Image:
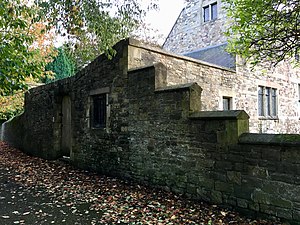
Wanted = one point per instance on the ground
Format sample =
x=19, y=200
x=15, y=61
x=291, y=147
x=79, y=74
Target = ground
x=36, y=191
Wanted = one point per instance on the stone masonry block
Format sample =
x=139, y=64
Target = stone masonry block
x=216, y=197
x=234, y=177
x=224, y=187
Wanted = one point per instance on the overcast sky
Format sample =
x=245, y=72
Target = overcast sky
x=164, y=19
x=161, y=20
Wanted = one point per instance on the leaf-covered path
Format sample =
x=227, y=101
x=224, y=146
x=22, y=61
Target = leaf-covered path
x=36, y=191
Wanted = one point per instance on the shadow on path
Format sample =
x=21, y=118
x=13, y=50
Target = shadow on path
x=21, y=205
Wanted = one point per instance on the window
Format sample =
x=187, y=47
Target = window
x=206, y=14
x=214, y=11
x=227, y=103
x=299, y=93
x=210, y=12
x=267, y=101
x=299, y=99
x=99, y=110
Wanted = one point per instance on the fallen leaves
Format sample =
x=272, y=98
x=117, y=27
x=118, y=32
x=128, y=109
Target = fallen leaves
x=115, y=201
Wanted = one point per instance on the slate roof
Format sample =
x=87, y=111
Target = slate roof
x=214, y=54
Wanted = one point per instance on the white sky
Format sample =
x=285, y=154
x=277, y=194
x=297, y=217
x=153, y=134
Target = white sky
x=164, y=19
x=161, y=20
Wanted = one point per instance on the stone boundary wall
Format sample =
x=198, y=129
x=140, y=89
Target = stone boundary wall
x=263, y=175
x=209, y=155
x=13, y=131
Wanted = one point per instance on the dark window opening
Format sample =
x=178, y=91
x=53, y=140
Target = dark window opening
x=214, y=11
x=99, y=111
x=298, y=92
x=227, y=103
x=206, y=14
x=210, y=12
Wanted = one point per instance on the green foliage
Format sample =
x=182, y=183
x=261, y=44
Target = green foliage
x=61, y=67
x=11, y=105
x=16, y=58
x=91, y=27
x=264, y=29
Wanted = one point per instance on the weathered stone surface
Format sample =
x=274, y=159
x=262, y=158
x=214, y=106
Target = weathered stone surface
x=155, y=135
x=234, y=177
x=191, y=34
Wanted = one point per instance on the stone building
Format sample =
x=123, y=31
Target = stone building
x=146, y=115
x=271, y=96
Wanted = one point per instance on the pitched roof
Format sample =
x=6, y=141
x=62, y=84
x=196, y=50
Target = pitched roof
x=216, y=54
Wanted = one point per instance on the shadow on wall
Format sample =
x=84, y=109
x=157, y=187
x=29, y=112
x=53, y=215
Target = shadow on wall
x=12, y=132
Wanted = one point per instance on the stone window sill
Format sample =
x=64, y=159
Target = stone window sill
x=268, y=118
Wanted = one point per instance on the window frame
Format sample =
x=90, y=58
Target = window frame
x=99, y=111
x=299, y=93
x=228, y=103
x=267, y=100
x=104, y=94
x=298, y=100
x=213, y=16
x=208, y=12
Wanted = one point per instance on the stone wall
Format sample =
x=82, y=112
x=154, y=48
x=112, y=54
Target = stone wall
x=203, y=155
x=190, y=33
x=163, y=129
x=42, y=119
x=241, y=85
x=262, y=175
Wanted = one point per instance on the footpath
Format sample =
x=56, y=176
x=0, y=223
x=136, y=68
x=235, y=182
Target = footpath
x=37, y=191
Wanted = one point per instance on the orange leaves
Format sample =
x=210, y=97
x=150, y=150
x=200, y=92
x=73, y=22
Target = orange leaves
x=11, y=105
x=113, y=201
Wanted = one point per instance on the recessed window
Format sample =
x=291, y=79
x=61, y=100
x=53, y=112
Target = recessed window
x=214, y=11
x=299, y=93
x=298, y=99
x=267, y=101
x=206, y=16
x=210, y=12
x=227, y=103
x=99, y=110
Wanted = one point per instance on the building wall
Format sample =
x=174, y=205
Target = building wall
x=286, y=79
x=241, y=85
x=190, y=33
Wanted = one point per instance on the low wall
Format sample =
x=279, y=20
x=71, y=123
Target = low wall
x=263, y=175
x=13, y=131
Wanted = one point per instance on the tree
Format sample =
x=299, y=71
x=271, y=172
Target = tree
x=264, y=29
x=17, y=53
x=61, y=67
x=91, y=27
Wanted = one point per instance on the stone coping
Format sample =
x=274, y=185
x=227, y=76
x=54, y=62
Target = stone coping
x=270, y=139
x=220, y=115
x=158, y=49
x=176, y=87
